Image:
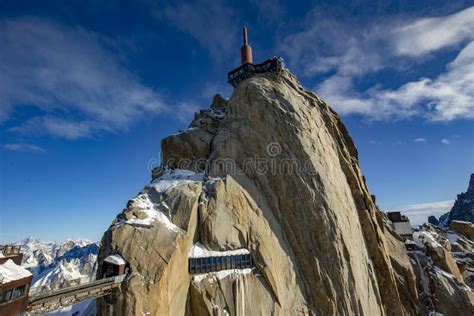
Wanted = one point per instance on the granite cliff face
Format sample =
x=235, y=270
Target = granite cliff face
x=272, y=170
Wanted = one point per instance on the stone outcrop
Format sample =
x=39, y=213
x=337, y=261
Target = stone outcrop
x=463, y=228
x=272, y=170
x=443, y=264
x=449, y=296
x=438, y=248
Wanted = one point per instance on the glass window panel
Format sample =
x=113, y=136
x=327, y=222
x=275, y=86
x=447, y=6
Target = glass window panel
x=8, y=296
x=14, y=295
x=22, y=290
x=208, y=264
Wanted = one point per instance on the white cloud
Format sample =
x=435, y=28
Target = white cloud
x=56, y=126
x=360, y=52
x=420, y=140
x=399, y=143
x=374, y=142
x=72, y=76
x=24, y=147
x=426, y=35
x=445, y=141
x=419, y=213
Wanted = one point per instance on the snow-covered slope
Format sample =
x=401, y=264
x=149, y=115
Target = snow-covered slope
x=58, y=264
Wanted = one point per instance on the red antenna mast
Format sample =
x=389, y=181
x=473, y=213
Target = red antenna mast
x=246, y=50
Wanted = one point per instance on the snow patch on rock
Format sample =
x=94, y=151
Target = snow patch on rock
x=198, y=250
x=174, y=178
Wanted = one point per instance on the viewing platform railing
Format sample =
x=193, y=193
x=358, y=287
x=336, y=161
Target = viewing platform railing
x=246, y=71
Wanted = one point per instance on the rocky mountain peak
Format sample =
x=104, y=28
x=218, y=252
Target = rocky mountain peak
x=273, y=172
x=470, y=189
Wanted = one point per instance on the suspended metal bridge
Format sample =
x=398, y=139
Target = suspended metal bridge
x=46, y=301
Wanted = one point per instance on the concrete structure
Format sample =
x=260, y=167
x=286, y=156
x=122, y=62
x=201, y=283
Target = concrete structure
x=14, y=286
x=401, y=224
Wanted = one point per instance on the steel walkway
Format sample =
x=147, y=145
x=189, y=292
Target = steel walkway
x=48, y=301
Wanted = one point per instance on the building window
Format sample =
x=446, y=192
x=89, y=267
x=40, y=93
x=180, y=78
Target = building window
x=18, y=292
x=5, y=296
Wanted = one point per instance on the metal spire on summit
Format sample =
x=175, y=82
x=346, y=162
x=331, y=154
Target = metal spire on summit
x=246, y=50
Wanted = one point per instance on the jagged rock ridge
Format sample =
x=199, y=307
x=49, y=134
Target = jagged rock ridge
x=272, y=170
x=462, y=210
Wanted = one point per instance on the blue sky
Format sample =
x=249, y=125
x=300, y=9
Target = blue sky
x=89, y=88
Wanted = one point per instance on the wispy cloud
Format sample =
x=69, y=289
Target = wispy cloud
x=185, y=111
x=361, y=51
x=420, y=140
x=374, y=142
x=419, y=213
x=445, y=141
x=209, y=22
x=74, y=77
x=426, y=35
x=56, y=126
x=399, y=143
x=269, y=11
x=24, y=147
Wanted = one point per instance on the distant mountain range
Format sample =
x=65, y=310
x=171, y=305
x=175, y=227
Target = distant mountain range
x=58, y=264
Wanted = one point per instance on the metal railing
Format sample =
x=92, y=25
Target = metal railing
x=243, y=72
